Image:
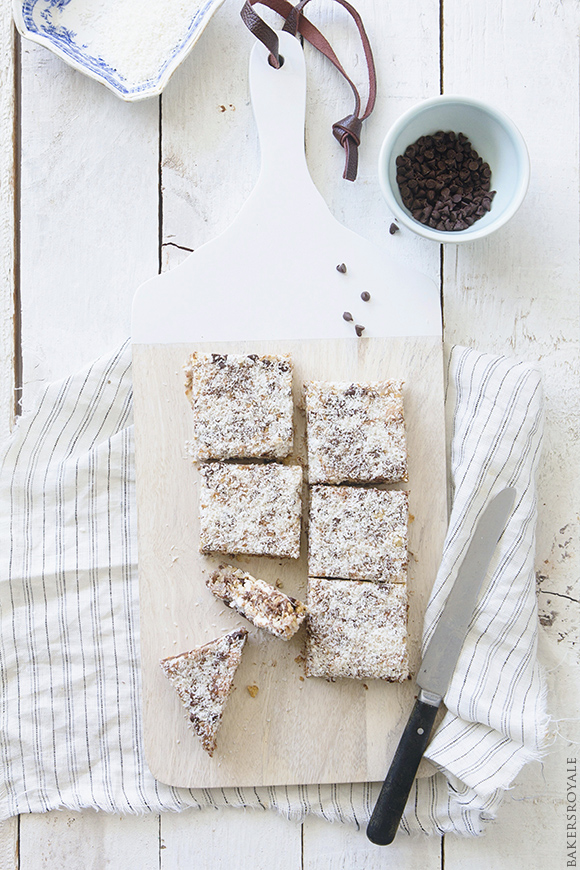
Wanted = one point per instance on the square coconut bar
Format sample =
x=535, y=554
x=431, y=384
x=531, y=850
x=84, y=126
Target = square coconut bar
x=252, y=509
x=356, y=629
x=261, y=603
x=242, y=406
x=356, y=432
x=356, y=533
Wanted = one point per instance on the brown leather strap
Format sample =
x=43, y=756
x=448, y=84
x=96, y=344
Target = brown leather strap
x=347, y=131
x=261, y=31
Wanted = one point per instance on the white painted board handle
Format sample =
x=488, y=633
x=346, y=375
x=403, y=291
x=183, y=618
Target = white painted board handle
x=272, y=273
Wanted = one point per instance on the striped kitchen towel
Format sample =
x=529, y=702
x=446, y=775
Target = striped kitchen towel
x=70, y=709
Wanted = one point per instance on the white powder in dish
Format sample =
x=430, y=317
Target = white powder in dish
x=135, y=38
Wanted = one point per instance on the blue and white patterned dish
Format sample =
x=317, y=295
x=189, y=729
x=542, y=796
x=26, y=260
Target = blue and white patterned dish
x=130, y=46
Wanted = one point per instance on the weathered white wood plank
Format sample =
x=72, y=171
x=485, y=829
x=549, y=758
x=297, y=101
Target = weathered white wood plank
x=517, y=293
x=229, y=838
x=210, y=163
x=88, y=841
x=8, y=190
x=211, y=190
x=8, y=268
x=89, y=237
x=342, y=847
x=9, y=844
x=89, y=204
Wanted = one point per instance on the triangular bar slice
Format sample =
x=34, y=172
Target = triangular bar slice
x=203, y=679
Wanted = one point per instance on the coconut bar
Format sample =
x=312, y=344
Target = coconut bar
x=242, y=406
x=356, y=533
x=356, y=629
x=260, y=602
x=203, y=679
x=250, y=509
x=356, y=432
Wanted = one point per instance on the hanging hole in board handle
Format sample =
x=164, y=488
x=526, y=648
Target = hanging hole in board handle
x=272, y=61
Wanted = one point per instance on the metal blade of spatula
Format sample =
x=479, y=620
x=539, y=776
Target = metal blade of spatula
x=272, y=273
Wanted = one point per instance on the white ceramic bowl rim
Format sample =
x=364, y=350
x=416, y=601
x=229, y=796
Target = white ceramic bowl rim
x=473, y=232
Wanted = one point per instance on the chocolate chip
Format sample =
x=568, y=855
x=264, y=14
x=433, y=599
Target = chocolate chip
x=341, y=268
x=393, y=229
x=347, y=316
x=365, y=296
x=444, y=182
x=359, y=329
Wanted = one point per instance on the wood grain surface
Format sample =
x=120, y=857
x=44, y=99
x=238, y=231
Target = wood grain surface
x=295, y=730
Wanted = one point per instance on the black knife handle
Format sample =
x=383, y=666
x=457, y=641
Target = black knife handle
x=390, y=805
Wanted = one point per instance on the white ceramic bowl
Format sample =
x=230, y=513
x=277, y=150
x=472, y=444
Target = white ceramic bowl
x=492, y=134
x=130, y=46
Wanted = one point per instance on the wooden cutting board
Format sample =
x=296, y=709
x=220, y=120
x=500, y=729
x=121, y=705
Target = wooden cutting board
x=270, y=284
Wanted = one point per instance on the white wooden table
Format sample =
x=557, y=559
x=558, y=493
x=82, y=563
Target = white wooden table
x=98, y=195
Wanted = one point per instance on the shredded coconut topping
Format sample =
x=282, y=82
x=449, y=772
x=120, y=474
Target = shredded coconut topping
x=357, y=533
x=260, y=602
x=251, y=509
x=356, y=629
x=242, y=406
x=356, y=432
x=203, y=679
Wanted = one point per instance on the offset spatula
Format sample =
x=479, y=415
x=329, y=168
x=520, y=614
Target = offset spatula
x=437, y=668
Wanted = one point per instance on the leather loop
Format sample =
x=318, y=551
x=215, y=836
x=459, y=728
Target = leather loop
x=261, y=31
x=347, y=131
x=350, y=126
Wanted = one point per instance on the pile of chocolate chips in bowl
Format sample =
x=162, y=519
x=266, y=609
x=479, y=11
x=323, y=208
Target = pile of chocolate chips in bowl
x=444, y=182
